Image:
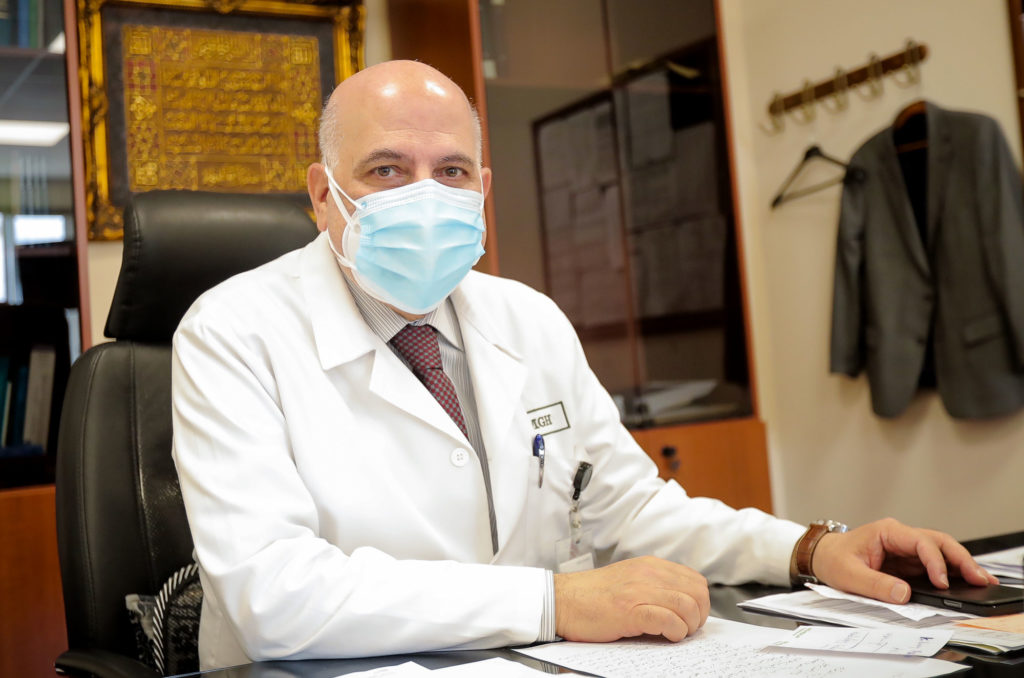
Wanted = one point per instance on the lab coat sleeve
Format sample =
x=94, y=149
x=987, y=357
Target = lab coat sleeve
x=848, y=350
x=1001, y=221
x=286, y=592
x=633, y=512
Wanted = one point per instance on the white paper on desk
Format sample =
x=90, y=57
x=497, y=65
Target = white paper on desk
x=397, y=671
x=1008, y=563
x=726, y=649
x=901, y=642
x=810, y=605
x=914, y=611
x=497, y=667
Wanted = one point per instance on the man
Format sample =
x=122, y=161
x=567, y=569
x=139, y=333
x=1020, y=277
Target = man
x=349, y=497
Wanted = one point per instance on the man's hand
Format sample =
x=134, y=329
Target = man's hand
x=631, y=598
x=865, y=560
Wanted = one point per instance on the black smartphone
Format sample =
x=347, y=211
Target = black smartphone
x=986, y=601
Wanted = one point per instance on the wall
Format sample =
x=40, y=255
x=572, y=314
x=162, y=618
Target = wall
x=830, y=456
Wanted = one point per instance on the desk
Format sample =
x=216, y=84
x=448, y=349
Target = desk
x=723, y=604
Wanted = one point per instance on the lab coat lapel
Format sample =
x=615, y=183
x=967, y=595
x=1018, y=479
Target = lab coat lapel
x=498, y=376
x=395, y=383
x=341, y=336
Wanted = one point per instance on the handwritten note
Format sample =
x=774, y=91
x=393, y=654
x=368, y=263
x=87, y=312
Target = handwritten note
x=726, y=649
x=891, y=641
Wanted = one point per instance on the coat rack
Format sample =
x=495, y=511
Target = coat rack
x=834, y=94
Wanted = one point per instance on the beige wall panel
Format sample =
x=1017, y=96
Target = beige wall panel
x=830, y=455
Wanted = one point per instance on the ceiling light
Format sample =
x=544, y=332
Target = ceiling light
x=31, y=133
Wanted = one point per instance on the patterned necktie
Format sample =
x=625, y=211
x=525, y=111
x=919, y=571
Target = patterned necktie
x=418, y=345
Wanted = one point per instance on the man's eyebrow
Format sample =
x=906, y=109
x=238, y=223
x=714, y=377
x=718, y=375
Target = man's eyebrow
x=455, y=159
x=379, y=155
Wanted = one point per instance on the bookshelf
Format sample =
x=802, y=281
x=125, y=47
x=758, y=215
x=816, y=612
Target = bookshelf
x=40, y=262
x=43, y=310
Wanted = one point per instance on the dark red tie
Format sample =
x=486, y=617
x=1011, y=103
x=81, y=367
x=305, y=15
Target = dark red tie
x=418, y=345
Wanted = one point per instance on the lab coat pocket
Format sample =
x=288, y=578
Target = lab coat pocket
x=547, y=511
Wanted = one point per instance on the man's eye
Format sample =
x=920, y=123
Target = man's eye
x=453, y=172
x=384, y=171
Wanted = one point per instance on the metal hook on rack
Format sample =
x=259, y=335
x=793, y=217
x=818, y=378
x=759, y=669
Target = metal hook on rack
x=840, y=94
x=775, y=116
x=911, y=66
x=875, y=72
x=807, y=110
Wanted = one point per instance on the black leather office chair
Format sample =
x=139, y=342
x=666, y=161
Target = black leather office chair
x=121, y=523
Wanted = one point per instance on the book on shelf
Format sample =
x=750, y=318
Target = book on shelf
x=6, y=413
x=42, y=362
x=74, y=320
x=5, y=395
x=21, y=24
x=25, y=22
x=19, y=391
x=6, y=23
x=51, y=21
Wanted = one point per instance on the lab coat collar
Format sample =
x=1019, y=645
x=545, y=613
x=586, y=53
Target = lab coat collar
x=471, y=309
x=342, y=336
x=339, y=331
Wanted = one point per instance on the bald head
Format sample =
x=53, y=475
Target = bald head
x=390, y=95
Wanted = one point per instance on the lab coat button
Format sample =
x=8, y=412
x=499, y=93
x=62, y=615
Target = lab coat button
x=459, y=457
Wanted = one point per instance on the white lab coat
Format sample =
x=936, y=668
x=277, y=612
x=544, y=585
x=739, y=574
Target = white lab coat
x=338, y=511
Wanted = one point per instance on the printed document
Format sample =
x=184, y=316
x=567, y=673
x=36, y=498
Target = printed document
x=903, y=642
x=813, y=606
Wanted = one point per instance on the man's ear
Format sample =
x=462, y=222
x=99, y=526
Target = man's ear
x=316, y=184
x=485, y=179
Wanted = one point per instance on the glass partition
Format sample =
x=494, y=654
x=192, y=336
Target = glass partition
x=612, y=193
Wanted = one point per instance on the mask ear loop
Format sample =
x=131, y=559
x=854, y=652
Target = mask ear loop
x=335, y=189
x=350, y=220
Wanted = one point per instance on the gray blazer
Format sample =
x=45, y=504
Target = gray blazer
x=969, y=281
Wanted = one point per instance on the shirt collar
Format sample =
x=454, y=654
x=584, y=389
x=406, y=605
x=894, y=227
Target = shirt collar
x=386, y=323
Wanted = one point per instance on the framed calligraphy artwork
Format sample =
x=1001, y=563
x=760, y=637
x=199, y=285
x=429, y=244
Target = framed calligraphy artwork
x=206, y=95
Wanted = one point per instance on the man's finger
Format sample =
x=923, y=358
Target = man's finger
x=931, y=556
x=659, y=621
x=960, y=560
x=878, y=585
x=685, y=606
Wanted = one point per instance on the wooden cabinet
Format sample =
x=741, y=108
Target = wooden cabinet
x=727, y=460
x=32, y=631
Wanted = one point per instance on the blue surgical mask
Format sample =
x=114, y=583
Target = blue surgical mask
x=410, y=246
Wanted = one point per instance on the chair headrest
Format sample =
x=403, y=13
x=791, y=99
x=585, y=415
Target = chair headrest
x=178, y=244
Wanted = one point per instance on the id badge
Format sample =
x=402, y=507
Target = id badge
x=575, y=555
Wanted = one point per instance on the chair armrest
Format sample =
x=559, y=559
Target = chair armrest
x=102, y=664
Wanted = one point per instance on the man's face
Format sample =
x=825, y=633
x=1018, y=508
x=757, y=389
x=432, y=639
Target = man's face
x=398, y=134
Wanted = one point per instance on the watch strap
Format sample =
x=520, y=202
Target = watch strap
x=800, y=570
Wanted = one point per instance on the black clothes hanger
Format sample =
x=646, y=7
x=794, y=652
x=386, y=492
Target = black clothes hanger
x=810, y=154
x=910, y=129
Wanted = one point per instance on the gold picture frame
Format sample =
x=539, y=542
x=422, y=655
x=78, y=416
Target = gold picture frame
x=282, y=27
